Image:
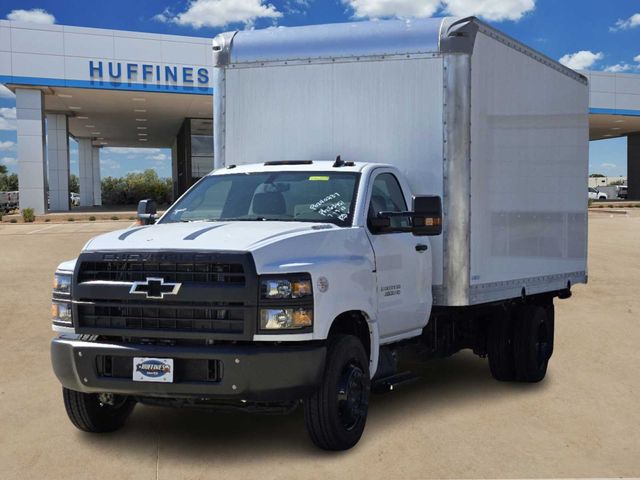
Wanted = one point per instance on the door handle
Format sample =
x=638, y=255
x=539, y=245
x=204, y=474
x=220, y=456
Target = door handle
x=421, y=247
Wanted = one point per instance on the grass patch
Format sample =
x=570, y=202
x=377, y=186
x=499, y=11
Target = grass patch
x=115, y=218
x=47, y=220
x=71, y=219
x=92, y=218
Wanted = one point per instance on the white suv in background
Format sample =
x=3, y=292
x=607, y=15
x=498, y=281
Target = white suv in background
x=595, y=194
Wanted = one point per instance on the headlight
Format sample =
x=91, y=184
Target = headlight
x=61, y=313
x=62, y=283
x=61, y=305
x=282, y=288
x=285, y=318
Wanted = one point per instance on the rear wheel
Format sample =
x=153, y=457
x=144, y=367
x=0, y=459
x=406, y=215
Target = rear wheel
x=97, y=413
x=335, y=415
x=500, y=347
x=533, y=342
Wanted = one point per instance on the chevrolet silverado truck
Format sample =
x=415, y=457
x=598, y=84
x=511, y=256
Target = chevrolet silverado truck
x=376, y=191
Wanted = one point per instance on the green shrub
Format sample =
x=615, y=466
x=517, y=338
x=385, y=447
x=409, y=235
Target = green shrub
x=115, y=218
x=92, y=218
x=27, y=215
x=47, y=220
x=133, y=187
x=13, y=220
x=71, y=219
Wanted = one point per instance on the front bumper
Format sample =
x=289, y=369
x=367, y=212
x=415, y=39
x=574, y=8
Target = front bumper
x=249, y=372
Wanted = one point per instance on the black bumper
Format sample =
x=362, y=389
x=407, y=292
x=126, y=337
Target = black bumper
x=247, y=372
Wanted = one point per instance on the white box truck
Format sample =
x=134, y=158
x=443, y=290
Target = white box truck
x=377, y=189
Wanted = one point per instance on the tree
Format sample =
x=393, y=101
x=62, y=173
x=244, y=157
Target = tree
x=8, y=183
x=596, y=175
x=74, y=183
x=3, y=169
x=134, y=187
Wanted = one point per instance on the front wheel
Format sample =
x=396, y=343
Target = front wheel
x=97, y=413
x=335, y=415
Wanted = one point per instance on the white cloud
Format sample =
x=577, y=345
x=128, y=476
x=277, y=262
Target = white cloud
x=35, y=15
x=608, y=165
x=9, y=161
x=618, y=68
x=625, y=24
x=109, y=164
x=495, y=10
x=160, y=157
x=296, y=7
x=636, y=58
x=8, y=118
x=392, y=8
x=130, y=151
x=581, y=60
x=8, y=145
x=6, y=93
x=218, y=13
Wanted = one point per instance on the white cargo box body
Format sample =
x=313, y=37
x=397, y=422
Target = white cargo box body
x=465, y=112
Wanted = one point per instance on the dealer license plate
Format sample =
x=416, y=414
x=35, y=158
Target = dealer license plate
x=147, y=369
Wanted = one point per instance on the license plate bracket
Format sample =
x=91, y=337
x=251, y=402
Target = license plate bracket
x=148, y=369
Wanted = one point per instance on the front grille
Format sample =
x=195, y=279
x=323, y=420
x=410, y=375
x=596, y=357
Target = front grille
x=123, y=271
x=207, y=318
x=216, y=298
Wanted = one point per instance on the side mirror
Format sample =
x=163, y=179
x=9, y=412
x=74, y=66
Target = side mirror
x=427, y=215
x=147, y=212
x=380, y=224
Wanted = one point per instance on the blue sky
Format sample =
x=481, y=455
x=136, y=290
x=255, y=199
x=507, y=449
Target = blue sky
x=589, y=34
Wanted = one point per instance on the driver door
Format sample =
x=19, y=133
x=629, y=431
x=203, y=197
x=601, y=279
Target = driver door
x=403, y=263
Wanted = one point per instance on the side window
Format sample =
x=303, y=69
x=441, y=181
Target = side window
x=386, y=196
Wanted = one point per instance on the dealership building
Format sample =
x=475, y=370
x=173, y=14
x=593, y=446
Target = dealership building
x=127, y=89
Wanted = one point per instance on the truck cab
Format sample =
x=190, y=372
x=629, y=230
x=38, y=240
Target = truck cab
x=238, y=290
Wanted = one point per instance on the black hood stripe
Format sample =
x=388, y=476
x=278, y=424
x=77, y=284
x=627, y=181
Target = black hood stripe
x=197, y=233
x=131, y=232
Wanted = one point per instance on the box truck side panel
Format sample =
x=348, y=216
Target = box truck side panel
x=529, y=165
x=387, y=111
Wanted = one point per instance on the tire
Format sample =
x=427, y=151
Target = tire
x=89, y=414
x=335, y=415
x=500, y=347
x=533, y=342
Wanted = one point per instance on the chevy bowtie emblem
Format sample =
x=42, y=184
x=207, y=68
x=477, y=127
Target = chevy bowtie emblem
x=155, y=288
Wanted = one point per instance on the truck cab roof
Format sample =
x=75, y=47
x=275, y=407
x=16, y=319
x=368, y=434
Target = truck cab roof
x=300, y=166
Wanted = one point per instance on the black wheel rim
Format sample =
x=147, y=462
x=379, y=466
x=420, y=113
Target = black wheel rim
x=543, y=345
x=352, y=396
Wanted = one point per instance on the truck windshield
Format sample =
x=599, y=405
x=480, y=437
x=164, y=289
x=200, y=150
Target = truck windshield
x=326, y=197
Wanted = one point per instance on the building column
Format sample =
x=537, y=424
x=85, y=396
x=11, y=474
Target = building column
x=31, y=150
x=633, y=167
x=97, y=181
x=85, y=161
x=58, y=161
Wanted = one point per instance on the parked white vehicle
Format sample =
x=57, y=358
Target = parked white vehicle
x=9, y=201
x=595, y=194
x=75, y=199
x=289, y=276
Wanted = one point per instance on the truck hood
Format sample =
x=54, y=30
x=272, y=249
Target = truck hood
x=226, y=236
